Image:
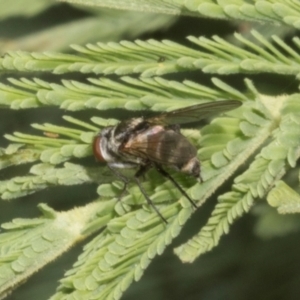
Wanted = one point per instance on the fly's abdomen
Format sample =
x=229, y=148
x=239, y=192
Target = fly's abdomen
x=172, y=148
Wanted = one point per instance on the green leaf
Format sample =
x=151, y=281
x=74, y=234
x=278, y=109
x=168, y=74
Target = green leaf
x=131, y=232
x=284, y=198
x=254, y=183
x=29, y=244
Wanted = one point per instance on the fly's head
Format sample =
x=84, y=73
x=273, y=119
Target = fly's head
x=109, y=141
x=102, y=144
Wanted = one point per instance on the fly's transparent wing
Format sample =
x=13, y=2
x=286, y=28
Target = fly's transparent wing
x=194, y=113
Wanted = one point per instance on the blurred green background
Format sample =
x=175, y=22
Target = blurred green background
x=258, y=259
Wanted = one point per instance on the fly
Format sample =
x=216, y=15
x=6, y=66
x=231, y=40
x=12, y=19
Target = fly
x=155, y=142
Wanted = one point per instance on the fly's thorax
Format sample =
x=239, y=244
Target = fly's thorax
x=143, y=137
x=125, y=129
x=108, y=144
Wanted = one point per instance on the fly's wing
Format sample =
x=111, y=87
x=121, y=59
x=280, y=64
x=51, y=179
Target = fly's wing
x=194, y=113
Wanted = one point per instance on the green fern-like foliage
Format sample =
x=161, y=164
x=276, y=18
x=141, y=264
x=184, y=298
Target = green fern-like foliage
x=260, y=140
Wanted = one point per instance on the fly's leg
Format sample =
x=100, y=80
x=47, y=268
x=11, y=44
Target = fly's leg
x=139, y=173
x=168, y=176
x=125, y=180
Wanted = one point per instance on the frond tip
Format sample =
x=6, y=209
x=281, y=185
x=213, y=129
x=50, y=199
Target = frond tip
x=284, y=198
